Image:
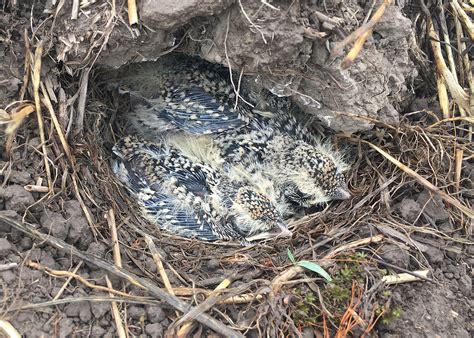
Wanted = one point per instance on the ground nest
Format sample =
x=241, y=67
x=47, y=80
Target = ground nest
x=76, y=257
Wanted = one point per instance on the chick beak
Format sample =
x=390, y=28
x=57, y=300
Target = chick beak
x=343, y=193
x=279, y=230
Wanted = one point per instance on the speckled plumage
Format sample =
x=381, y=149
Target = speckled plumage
x=306, y=174
x=192, y=199
x=194, y=97
x=182, y=93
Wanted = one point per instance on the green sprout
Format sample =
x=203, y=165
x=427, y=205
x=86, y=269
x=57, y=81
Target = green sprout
x=310, y=266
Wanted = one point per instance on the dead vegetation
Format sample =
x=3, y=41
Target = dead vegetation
x=217, y=285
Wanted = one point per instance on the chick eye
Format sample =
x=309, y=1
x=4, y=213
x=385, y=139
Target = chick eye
x=293, y=194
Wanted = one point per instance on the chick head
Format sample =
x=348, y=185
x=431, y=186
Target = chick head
x=313, y=175
x=254, y=214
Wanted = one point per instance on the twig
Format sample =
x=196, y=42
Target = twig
x=354, y=244
x=159, y=264
x=129, y=300
x=466, y=72
x=335, y=21
x=75, y=9
x=132, y=12
x=458, y=93
x=36, y=84
x=115, y=312
x=8, y=329
x=423, y=181
x=62, y=273
x=39, y=188
x=452, y=119
x=110, y=217
x=14, y=123
x=405, y=271
x=57, y=126
x=8, y=266
x=311, y=33
x=81, y=103
x=440, y=82
x=265, y=2
x=26, y=74
x=83, y=206
x=237, y=95
x=466, y=21
x=68, y=280
x=458, y=156
x=238, y=88
x=359, y=36
x=207, y=304
x=406, y=277
x=241, y=299
x=122, y=273
x=350, y=319
x=443, y=95
x=447, y=41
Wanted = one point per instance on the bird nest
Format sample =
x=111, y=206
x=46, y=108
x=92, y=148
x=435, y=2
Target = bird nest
x=268, y=286
x=271, y=288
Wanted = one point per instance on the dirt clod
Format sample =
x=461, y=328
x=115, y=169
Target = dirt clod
x=465, y=285
x=66, y=327
x=155, y=313
x=5, y=247
x=213, y=264
x=16, y=198
x=99, y=309
x=433, y=206
x=20, y=177
x=79, y=231
x=154, y=330
x=26, y=243
x=8, y=276
x=97, y=331
x=424, y=306
x=395, y=255
x=409, y=209
x=169, y=13
x=136, y=312
x=5, y=228
x=48, y=260
x=55, y=223
x=73, y=208
x=97, y=249
x=434, y=255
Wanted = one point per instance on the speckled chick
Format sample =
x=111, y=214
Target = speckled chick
x=181, y=93
x=192, y=199
x=305, y=174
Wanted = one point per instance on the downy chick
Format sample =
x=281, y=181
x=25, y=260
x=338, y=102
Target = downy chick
x=192, y=199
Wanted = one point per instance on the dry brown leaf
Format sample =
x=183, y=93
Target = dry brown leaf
x=17, y=118
x=4, y=117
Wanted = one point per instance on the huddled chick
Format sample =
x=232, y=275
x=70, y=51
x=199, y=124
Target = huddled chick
x=190, y=198
x=185, y=95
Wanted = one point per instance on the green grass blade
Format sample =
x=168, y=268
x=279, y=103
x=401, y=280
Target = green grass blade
x=315, y=268
x=290, y=256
